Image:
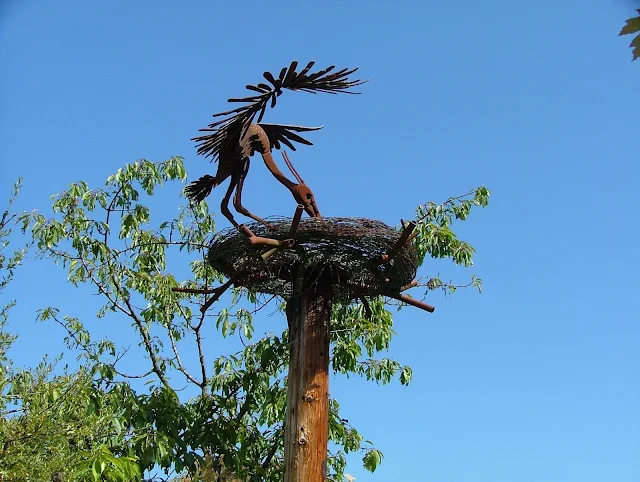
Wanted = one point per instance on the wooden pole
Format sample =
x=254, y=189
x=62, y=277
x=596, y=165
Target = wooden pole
x=307, y=419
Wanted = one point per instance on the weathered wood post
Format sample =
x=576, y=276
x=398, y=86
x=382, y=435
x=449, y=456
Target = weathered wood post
x=307, y=418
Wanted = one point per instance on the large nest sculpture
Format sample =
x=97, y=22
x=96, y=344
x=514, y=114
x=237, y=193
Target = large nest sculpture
x=363, y=257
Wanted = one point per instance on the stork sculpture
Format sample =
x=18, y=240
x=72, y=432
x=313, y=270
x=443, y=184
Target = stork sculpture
x=235, y=138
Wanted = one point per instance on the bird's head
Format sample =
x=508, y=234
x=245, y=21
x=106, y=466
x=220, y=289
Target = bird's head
x=304, y=196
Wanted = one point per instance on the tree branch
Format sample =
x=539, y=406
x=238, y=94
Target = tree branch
x=131, y=313
x=179, y=361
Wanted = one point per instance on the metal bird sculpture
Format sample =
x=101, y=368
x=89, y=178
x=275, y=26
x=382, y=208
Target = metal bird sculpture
x=233, y=139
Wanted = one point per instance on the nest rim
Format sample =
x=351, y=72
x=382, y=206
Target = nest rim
x=347, y=250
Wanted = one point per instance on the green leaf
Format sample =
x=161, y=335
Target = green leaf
x=95, y=469
x=635, y=43
x=633, y=26
x=405, y=375
x=372, y=459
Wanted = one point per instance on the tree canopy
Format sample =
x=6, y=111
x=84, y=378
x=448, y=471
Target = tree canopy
x=101, y=423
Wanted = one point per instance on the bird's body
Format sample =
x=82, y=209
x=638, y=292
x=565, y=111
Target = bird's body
x=233, y=161
x=234, y=139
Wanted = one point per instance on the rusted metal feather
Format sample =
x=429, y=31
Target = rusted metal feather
x=238, y=120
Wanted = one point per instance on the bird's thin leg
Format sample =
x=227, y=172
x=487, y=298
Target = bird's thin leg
x=224, y=205
x=237, y=199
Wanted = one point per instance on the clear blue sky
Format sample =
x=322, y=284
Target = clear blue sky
x=536, y=379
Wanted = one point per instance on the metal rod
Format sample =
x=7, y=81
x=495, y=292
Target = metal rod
x=271, y=242
x=409, y=285
x=253, y=239
x=296, y=220
x=413, y=302
x=267, y=254
x=219, y=292
x=408, y=230
x=246, y=231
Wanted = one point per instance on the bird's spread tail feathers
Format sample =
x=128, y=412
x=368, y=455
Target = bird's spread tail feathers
x=200, y=189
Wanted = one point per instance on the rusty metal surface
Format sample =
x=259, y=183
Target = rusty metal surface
x=234, y=138
x=346, y=248
x=236, y=167
x=402, y=240
x=363, y=257
x=235, y=122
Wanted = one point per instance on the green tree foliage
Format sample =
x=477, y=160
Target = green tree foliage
x=49, y=424
x=8, y=263
x=633, y=27
x=110, y=239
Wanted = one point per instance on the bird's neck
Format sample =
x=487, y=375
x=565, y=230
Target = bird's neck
x=271, y=165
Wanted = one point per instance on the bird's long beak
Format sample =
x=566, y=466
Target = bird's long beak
x=311, y=208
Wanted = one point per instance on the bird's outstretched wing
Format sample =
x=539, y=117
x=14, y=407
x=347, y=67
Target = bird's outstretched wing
x=282, y=134
x=235, y=122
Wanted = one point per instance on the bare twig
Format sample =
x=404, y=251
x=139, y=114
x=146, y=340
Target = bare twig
x=110, y=209
x=179, y=361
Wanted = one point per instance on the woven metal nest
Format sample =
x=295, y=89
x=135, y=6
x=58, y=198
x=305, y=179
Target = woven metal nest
x=344, y=248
